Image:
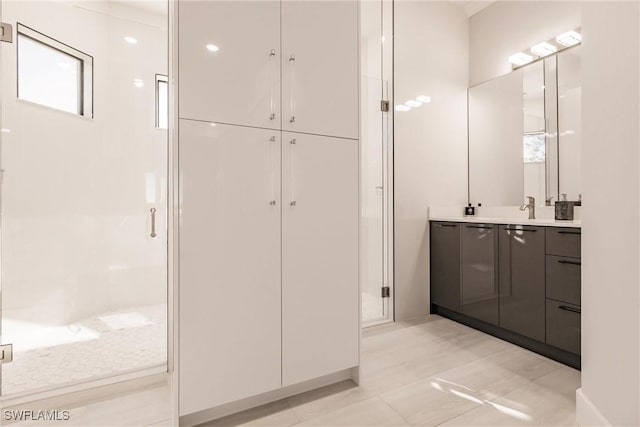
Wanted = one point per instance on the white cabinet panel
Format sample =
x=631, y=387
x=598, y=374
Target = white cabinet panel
x=320, y=314
x=239, y=83
x=320, y=86
x=230, y=284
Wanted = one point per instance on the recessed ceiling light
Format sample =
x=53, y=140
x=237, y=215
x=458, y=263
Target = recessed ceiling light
x=138, y=83
x=570, y=38
x=402, y=108
x=131, y=40
x=520, y=58
x=424, y=99
x=543, y=49
x=412, y=103
x=212, y=48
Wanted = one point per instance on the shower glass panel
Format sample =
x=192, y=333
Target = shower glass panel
x=84, y=196
x=375, y=307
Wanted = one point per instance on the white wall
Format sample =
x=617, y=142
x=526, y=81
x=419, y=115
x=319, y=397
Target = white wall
x=507, y=27
x=430, y=143
x=75, y=206
x=611, y=227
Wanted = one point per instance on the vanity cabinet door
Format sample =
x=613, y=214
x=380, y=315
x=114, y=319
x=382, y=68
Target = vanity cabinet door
x=522, y=280
x=479, y=272
x=445, y=265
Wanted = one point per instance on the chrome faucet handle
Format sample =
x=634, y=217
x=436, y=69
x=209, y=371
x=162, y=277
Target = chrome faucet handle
x=532, y=200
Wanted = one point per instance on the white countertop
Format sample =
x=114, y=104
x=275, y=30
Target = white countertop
x=548, y=222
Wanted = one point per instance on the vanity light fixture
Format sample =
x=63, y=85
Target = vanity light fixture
x=424, y=99
x=212, y=48
x=402, y=107
x=130, y=40
x=520, y=58
x=570, y=38
x=412, y=103
x=543, y=49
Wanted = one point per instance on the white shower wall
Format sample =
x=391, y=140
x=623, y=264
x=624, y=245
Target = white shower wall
x=77, y=192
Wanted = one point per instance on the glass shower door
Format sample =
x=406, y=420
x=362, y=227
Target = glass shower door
x=84, y=194
x=376, y=294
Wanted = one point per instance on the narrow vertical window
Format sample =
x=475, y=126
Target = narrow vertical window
x=162, y=101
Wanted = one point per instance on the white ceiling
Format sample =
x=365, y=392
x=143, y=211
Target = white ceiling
x=474, y=6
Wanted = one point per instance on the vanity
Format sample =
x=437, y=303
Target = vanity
x=518, y=280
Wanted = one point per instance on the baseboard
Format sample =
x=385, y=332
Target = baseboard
x=586, y=412
x=262, y=399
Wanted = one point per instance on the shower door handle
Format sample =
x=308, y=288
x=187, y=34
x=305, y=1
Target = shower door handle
x=153, y=222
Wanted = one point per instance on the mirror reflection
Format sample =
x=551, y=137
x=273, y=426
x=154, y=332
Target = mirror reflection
x=524, y=134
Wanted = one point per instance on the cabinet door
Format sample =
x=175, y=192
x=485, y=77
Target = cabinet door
x=445, y=265
x=479, y=273
x=320, y=301
x=229, y=62
x=320, y=67
x=229, y=264
x=522, y=280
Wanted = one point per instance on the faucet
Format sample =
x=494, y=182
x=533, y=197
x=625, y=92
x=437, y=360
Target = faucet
x=547, y=201
x=531, y=205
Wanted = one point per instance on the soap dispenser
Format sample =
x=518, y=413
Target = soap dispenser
x=564, y=208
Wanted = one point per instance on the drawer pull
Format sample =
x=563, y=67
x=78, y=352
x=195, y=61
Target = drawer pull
x=570, y=232
x=522, y=229
x=566, y=261
x=482, y=227
x=445, y=225
x=571, y=309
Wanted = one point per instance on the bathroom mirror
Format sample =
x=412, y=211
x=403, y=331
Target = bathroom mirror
x=524, y=134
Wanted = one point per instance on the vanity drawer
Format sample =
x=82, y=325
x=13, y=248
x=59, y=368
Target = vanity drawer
x=563, y=241
x=563, y=279
x=563, y=326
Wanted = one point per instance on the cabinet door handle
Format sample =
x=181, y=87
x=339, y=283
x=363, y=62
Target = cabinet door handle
x=570, y=232
x=292, y=99
x=567, y=261
x=153, y=223
x=272, y=179
x=272, y=80
x=528, y=230
x=482, y=227
x=571, y=309
x=446, y=225
x=292, y=158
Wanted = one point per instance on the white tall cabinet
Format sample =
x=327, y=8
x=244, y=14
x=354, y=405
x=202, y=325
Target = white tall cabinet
x=268, y=158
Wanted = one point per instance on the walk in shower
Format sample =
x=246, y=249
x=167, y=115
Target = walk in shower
x=376, y=162
x=84, y=148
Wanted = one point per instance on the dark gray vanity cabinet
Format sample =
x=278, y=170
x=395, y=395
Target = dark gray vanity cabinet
x=563, y=270
x=522, y=280
x=445, y=265
x=517, y=282
x=479, y=272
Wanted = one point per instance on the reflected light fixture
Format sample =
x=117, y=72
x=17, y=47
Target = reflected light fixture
x=130, y=40
x=212, y=48
x=424, y=99
x=412, y=103
x=520, y=58
x=402, y=108
x=570, y=38
x=138, y=83
x=543, y=49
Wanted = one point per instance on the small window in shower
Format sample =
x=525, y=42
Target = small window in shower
x=162, y=101
x=53, y=74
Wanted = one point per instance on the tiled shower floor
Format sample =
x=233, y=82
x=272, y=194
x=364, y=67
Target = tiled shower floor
x=101, y=346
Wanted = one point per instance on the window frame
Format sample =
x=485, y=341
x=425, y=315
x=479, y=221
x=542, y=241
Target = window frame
x=164, y=79
x=85, y=81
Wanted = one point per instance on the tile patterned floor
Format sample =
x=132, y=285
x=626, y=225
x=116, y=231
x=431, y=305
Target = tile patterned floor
x=429, y=373
x=125, y=341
